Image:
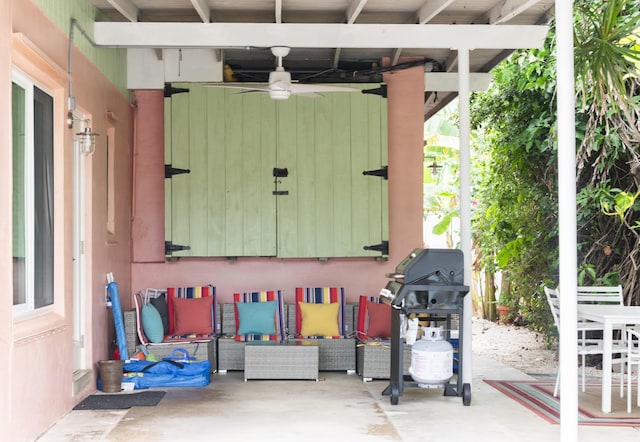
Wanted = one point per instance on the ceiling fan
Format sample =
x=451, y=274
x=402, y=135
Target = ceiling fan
x=280, y=86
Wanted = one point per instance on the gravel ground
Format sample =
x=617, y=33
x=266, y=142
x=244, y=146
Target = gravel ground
x=517, y=347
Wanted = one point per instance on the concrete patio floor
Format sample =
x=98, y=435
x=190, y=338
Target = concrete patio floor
x=339, y=407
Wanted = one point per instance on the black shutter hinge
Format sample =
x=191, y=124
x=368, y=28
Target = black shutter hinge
x=382, y=91
x=383, y=248
x=170, y=90
x=170, y=247
x=383, y=172
x=170, y=171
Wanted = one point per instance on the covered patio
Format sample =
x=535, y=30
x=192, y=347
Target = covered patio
x=426, y=53
x=339, y=407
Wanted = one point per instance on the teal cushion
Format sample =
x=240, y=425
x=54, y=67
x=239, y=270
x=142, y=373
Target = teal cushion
x=152, y=323
x=256, y=318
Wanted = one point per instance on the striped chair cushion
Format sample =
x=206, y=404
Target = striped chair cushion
x=363, y=317
x=190, y=293
x=321, y=295
x=138, y=302
x=266, y=296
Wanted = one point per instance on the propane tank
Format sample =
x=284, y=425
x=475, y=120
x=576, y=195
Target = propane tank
x=431, y=359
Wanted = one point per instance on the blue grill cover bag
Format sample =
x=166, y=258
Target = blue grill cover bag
x=167, y=373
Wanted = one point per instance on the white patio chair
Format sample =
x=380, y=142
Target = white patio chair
x=586, y=346
x=600, y=295
x=633, y=359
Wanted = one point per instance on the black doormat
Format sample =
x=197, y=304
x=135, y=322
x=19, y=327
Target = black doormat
x=120, y=401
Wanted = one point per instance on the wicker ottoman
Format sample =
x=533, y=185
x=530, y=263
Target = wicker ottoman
x=230, y=354
x=374, y=360
x=280, y=360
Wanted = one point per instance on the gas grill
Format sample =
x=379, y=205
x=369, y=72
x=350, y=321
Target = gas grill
x=426, y=282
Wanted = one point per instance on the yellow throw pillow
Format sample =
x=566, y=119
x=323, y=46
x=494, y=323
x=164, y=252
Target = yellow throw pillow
x=319, y=319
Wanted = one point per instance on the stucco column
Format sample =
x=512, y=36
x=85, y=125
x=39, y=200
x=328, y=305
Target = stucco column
x=405, y=92
x=147, y=225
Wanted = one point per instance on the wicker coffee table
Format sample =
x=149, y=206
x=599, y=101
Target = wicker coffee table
x=281, y=360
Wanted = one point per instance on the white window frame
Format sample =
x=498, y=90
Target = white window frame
x=27, y=83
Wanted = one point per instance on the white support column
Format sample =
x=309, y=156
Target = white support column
x=465, y=203
x=567, y=222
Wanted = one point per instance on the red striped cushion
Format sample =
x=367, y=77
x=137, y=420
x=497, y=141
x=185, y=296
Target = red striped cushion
x=190, y=293
x=363, y=318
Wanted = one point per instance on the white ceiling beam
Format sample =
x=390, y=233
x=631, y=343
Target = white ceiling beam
x=507, y=9
x=126, y=8
x=448, y=81
x=431, y=8
x=396, y=56
x=203, y=10
x=450, y=63
x=278, y=11
x=311, y=35
x=336, y=58
x=354, y=10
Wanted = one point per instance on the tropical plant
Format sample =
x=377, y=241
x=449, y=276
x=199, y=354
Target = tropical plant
x=515, y=223
x=607, y=66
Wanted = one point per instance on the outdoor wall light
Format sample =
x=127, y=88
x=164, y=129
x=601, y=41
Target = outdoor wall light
x=435, y=167
x=87, y=140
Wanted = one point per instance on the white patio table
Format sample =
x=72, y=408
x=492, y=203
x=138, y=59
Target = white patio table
x=611, y=316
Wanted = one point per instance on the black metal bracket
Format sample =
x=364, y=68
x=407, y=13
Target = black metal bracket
x=170, y=171
x=170, y=90
x=170, y=247
x=382, y=91
x=383, y=247
x=280, y=172
x=383, y=172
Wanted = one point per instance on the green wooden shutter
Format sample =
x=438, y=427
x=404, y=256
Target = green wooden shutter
x=332, y=210
x=224, y=207
x=231, y=143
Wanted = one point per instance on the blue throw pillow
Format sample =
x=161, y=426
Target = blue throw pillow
x=152, y=323
x=256, y=318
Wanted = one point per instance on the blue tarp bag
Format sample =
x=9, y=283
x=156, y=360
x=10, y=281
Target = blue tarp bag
x=167, y=373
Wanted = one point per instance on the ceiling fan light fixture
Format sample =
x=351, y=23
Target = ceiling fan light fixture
x=276, y=94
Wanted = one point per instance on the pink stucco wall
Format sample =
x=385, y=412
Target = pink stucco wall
x=148, y=177
x=36, y=376
x=6, y=347
x=358, y=276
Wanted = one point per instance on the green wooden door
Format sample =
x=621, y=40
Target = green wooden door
x=332, y=209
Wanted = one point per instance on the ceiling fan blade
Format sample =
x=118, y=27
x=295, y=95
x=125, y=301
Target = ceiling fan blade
x=251, y=86
x=297, y=88
x=306, y=94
